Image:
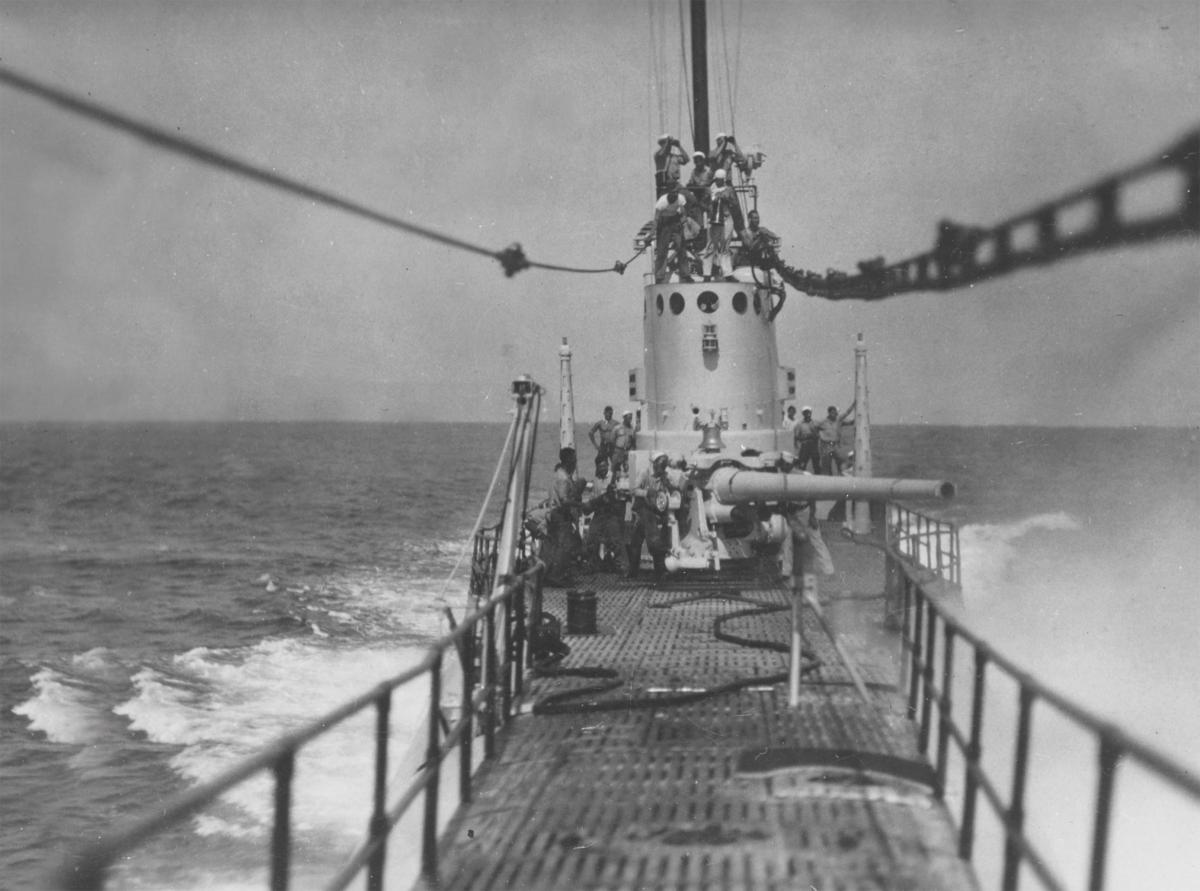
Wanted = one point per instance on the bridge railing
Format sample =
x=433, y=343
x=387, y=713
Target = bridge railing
x=930, y=635
x=490, y=642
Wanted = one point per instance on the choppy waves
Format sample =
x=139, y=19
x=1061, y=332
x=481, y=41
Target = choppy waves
x=990, y=551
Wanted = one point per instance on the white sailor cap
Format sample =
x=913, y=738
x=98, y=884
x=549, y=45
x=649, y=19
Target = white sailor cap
x=664, y=137
x=720, y=174
x=807, y=408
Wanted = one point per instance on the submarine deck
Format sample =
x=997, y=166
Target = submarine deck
x=729, y=791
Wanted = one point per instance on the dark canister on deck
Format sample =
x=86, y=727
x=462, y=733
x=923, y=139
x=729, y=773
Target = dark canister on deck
x=581, y=612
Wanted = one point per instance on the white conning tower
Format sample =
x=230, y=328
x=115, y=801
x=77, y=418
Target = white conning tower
x=710, y=346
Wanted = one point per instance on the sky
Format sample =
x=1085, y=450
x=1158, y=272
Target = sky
x=138, y=285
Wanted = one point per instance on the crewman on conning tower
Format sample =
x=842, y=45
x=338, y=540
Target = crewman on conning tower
x=668, y=159
x=669, y=213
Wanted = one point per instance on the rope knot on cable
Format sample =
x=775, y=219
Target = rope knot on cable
x=513, y=259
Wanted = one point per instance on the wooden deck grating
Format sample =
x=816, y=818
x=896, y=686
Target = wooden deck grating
x=733, y=791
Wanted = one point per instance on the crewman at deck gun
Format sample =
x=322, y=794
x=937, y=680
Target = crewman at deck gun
x=566, y=505
x=651, y=516
x=604, y=542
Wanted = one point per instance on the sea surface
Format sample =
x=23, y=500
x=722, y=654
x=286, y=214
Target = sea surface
x=174, y=595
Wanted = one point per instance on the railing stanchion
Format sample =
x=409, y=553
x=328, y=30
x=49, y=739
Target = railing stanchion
x=945, y=708
x=433, y=761
x=378, y=827
x=534, y=613
x=914, y=679
x=489, y=685
x=927, y=670
x=518, y=658
x=966, y=838
x=1109, y=758
x=506, y=661
x=1015, y=818
x=465, y=746
x=281, y=836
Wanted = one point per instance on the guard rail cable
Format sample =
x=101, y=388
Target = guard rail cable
x=493, y=628
x=924, y=619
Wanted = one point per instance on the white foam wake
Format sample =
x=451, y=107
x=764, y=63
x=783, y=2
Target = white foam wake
x=60, y=709
x=989, y=552
x=221, y=706
x=68, y=706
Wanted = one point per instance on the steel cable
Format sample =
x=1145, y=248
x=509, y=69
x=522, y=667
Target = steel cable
x=511, y=258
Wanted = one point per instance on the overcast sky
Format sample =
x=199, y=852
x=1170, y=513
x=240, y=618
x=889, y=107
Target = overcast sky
x=138, y=285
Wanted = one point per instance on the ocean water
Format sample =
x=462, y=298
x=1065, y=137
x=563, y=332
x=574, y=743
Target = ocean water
x=174, y=595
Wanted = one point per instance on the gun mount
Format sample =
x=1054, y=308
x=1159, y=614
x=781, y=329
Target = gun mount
x=731, y=485
x=731, y=509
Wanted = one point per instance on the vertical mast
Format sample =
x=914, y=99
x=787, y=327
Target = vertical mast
x=699, y=77
x=566, y=398
x=861, y=520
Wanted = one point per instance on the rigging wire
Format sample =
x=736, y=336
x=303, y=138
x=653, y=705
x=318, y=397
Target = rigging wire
x=658, y=74
x=737, y=59
x=470, y=540
x=685, y=76
x=728, y=79
x=512, y=258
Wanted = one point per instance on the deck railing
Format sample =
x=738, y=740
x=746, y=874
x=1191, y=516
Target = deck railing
x=925, y=620
x=490, y=642
x=926, y=541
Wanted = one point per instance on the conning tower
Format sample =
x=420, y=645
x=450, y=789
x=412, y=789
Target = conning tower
x=710, y=357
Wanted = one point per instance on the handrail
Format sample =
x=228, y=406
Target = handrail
x=497, y=621
x=922, y=616
x=931, y=542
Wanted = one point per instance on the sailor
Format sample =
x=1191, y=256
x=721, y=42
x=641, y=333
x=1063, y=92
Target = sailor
x=758, y=244
x=668, y=158
x=624, y=441
x=701, y=179
x=803, y=549
x=677, y=476
x=724, y=215
x=725, y=154
x=829, y=439
x=602, y=434
x=604, y=543
x=805, y=436
x=790, y=420
x=699, y=185
x=651, y=509
x=669, y=213
x=562, y=541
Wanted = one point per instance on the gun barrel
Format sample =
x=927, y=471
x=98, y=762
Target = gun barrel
x=733, y=486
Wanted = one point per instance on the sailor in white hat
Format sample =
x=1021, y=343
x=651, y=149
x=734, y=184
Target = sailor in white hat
x=624, y=441
x=724, y=215
x=726, y=153
x=805, y=436
x=668, y=159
